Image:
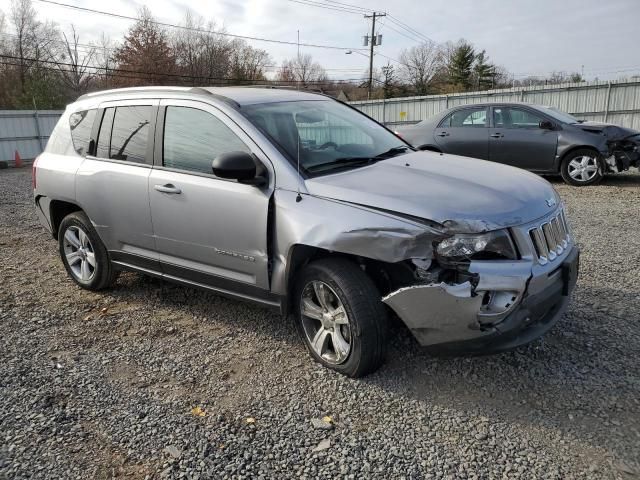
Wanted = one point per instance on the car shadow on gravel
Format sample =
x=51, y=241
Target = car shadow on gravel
x=579, y=378
x=576, y=378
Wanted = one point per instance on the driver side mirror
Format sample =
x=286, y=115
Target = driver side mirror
x=239, y=166
x=545, y=125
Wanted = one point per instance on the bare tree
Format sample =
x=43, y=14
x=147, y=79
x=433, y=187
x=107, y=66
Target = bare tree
x=34, y=41
x=75, y=65
x=303, y=69
x=3, y=25
x=103, y=60
x=247, y=62
x=202, y=52
x=420, y=64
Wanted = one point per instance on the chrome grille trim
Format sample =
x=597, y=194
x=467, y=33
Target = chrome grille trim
x=551, y=238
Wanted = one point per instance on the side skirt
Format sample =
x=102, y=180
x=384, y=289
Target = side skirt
x=229, y=289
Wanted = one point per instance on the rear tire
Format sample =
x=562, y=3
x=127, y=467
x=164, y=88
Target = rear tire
x=83, y=254
x=340, y=317
x=582, y=167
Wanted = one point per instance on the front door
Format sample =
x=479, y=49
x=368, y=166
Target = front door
x=517, y=139
x=464, y=132
x=208, y=230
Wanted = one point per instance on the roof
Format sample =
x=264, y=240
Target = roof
x=236, y=95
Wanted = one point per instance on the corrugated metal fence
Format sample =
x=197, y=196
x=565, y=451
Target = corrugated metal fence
x=25, y=131
x=614, y=102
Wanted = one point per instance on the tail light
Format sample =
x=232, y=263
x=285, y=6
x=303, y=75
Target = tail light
x=33, y=172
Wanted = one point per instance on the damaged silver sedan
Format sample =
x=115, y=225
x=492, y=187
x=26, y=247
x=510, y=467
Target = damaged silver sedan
x=303, y=204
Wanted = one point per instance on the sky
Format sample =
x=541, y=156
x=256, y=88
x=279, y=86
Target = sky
x=537, y=37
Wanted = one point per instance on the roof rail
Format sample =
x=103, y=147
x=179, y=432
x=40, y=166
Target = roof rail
x=222, y=98
x=133, y=90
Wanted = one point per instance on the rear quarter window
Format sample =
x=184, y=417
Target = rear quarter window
x=81, y=124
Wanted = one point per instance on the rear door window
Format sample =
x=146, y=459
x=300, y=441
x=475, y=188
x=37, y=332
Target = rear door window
x=104, y=135
x=81, y=124
x=469, y=117
x=129, y=136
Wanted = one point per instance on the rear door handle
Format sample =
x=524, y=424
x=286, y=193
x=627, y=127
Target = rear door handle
x=168, y=188
x=497, y=135
x=443, y=134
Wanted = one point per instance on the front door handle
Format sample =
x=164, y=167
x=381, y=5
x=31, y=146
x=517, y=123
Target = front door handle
x=497, y=135
x=443, y=134
x=168, y=188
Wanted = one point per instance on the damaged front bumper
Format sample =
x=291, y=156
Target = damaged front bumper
x=512, y=304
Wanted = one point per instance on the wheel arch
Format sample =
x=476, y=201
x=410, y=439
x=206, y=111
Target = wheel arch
x=58, y=209
x=573, y=149
x=386, y=276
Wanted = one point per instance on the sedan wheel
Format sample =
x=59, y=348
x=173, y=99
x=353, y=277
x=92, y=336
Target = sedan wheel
x=583, y=169
x=325, y=322
x=79, y=253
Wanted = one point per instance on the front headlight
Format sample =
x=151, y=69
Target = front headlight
x=483, y=246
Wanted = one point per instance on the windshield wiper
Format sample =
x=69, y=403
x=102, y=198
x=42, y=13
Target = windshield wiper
x=358, y=161
x=392, y=152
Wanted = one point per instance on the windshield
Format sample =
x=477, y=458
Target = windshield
x=559, y=115
x=329, y=136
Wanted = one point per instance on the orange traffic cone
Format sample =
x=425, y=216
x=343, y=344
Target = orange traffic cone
x=18, y=160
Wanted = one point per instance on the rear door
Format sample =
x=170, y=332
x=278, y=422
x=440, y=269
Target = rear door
x=112, y=185
x=516, y=138
x=465, y=132
x=208, y=230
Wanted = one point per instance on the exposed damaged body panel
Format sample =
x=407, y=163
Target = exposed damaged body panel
x=445, y=312
x=352, y=230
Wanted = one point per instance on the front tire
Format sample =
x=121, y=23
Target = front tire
x=340, y=317
x=581, y=168
x=83, y=254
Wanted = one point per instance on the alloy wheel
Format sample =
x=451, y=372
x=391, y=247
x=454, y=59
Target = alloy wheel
x=583, y=168
x=325, y=322
x=79, y=253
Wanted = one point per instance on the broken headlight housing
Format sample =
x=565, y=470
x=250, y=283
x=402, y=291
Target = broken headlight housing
x=482, y=246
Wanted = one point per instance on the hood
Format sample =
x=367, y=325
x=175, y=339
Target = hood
x=612, y=132
x=463, y=194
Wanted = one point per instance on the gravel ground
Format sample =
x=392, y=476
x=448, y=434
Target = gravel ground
x=154, y=380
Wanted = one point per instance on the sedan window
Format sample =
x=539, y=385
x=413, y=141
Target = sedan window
x=469, y=117
x=521, y=118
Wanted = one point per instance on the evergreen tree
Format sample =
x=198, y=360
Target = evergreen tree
x=461, y=65
x=484, y=72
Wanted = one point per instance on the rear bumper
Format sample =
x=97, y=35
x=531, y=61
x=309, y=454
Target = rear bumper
x=454, y=319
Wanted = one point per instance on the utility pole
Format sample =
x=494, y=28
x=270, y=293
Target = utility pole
x=372, y=43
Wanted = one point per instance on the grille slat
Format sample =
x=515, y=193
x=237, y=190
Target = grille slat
x=550, y=238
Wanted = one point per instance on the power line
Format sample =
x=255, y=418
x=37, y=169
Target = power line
x=119, y=71
x=419, y=34
x=412, y=38
x=313, y=3
x=183, y=27
x=87, y=48
x=362, y=9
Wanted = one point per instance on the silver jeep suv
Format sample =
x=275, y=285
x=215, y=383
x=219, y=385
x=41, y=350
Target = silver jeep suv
x=304, y=205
